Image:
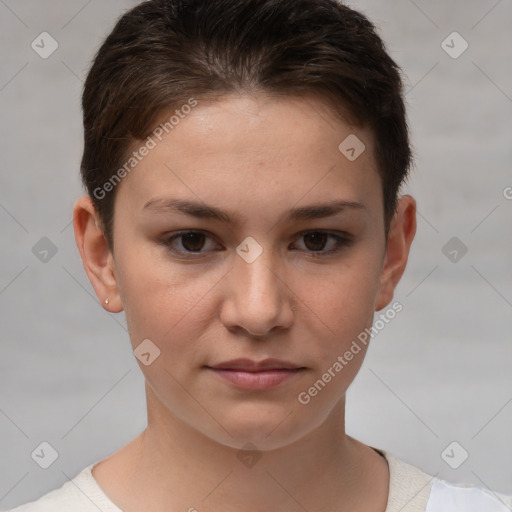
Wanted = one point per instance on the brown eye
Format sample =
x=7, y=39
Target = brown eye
x=322, y=243
x=193, y=241
x=190, y=243
x=316, y=240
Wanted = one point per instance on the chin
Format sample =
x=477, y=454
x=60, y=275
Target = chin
x=266, y=429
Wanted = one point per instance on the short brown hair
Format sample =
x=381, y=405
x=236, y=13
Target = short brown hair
x=161, y=53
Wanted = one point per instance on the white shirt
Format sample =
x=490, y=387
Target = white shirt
x=410, y=490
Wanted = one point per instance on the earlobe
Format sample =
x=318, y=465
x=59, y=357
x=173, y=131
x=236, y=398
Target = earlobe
x=96, y=256
x=400, y=237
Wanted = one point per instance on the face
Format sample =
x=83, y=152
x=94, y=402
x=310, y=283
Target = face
x=247, y=234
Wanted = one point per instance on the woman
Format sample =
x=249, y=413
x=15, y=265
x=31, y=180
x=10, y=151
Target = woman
x=243, y=160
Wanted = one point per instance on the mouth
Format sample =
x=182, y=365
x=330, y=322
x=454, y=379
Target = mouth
x=256, y=376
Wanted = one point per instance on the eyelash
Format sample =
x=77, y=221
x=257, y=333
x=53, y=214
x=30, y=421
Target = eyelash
x=341, y=242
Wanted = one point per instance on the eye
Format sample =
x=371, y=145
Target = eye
x=317, y=241
x=189, y=242
x=196, y=243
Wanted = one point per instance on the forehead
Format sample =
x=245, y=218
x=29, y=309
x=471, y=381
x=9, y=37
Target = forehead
x=255, y=148
x=260, y=123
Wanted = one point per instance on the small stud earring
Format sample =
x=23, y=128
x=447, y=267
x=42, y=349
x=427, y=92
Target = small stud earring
x=106, y=300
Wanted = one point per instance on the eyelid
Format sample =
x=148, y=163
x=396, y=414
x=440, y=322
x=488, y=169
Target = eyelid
x=332, y=232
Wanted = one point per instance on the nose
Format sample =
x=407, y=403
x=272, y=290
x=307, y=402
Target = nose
x=257, y=299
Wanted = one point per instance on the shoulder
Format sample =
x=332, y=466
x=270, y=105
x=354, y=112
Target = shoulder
x=447, y=497
x=412, y=490
x=81, y=494
x=409, y=487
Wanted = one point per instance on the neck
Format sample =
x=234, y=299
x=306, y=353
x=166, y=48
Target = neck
x=186, y=470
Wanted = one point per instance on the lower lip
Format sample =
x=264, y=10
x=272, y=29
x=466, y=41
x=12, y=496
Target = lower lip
x=256, y=381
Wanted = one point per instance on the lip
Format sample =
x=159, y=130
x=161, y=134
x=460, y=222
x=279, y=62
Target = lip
x=247, y=365
x=256, y=376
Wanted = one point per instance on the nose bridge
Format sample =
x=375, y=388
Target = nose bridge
x=256, y=279
x=258, y=300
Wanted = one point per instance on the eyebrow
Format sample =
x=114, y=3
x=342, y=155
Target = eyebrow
x=204, y=211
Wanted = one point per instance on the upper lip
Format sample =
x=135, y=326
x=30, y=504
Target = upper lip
x=255, y=366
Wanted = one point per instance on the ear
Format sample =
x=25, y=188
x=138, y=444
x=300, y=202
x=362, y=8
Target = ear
x=96, y=256
x=400, y=236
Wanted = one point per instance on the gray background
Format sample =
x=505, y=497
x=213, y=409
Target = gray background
x=438, y=373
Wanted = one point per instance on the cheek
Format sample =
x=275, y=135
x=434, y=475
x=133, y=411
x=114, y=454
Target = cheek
x=343, y=299
x=162, y=301
x=343, y=302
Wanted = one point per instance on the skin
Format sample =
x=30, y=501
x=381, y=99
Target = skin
x=256, y=157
